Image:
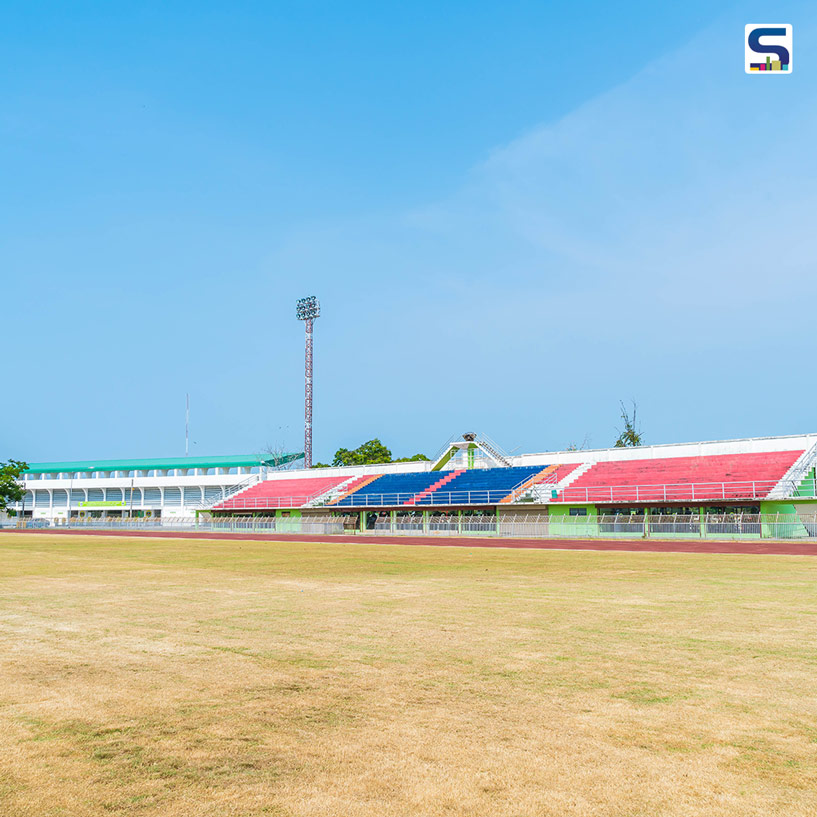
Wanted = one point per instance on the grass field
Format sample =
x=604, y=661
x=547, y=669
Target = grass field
x=184, y=677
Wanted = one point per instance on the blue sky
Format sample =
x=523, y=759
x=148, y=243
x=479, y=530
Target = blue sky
x=514, y=215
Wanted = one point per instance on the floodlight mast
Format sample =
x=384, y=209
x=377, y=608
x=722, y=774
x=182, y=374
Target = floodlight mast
x=307, y=310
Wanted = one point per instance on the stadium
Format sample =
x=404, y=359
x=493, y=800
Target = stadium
x=528, y=224
x=750, y=488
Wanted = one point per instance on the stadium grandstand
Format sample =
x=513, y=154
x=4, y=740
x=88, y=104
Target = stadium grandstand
x=470, y=478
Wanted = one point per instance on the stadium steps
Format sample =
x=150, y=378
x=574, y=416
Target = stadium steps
x=565, y=473
x=235, y=490
x=430, y=490
x=500, y=458
x=355, y=485
x=335, y=493
x=806, y=486
x=793, y=478
x=573, y=474
x=536, y=479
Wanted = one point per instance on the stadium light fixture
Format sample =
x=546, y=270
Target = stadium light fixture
x=307, y=310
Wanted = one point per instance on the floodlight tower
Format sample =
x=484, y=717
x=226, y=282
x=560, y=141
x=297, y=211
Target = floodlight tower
x=307, y=310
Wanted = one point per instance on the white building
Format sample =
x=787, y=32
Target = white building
x=160, y=488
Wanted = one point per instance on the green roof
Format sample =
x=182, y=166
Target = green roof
x=165, y=464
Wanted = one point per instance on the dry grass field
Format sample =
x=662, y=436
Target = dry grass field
x=183, y=677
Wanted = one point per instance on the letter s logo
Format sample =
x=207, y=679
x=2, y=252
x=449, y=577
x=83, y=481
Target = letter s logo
x=780, y=46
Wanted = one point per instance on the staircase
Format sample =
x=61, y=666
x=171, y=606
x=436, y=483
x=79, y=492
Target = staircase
x=356, y=484
x=492, y=450
x=334, y=494
x=253, y=479
x=808, y=485
x=795, y=475
x=431, y=488
x=545, y=494
x=536, y=479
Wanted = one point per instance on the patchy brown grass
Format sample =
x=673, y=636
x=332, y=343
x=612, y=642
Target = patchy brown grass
x=184, y=677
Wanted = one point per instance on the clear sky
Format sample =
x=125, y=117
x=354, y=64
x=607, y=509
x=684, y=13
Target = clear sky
x=515, y=214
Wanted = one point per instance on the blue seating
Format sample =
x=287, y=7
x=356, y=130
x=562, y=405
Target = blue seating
x=480, y=486
x=390, y=489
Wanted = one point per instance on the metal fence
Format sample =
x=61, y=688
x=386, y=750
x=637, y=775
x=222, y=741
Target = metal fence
x=524, y=526
x=204, y=524
x=533, y=526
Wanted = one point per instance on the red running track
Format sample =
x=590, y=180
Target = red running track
x=770, y=547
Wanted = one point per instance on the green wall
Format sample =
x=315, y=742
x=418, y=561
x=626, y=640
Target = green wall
x=290, y=523
x=562, y=524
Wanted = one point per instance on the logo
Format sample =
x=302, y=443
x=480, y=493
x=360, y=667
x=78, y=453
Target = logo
x=768, y=48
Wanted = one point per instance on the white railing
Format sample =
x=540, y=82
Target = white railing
x=494, y=450
x=329, y=495
x=796, y=474
x=532, y=486
x=263, y=503
x=253, y=479
x=682, y=491
x=454, y=438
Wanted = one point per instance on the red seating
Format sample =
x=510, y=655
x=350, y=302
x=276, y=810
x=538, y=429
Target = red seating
x=279, y=493
x=681, y=479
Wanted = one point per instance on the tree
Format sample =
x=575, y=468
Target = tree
x=631, y=436
x=10, y=490
x=372, y=452
x=574, y=446
x=277, y=454
x=369, y=453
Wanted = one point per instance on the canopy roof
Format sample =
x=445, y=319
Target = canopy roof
x=164, y=464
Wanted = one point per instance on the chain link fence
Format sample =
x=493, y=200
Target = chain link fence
x=203, y=524
x=522, y=526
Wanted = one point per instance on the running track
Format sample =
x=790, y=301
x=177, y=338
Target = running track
x=780, y=548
